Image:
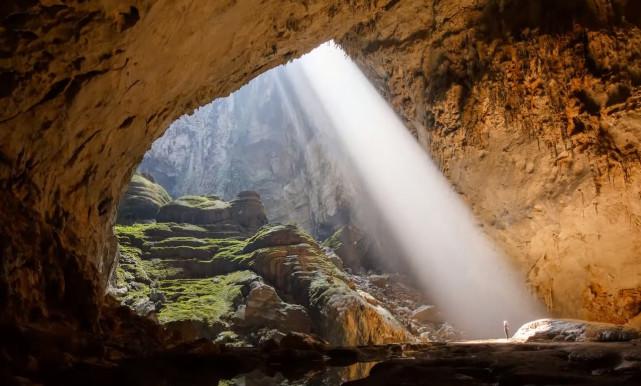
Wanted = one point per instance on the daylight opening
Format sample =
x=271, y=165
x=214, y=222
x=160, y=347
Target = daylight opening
x=301, y=204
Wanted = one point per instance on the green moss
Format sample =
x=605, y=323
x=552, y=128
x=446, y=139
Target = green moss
x=208, y=300
x=158, y=269
x=335, y=240
x=202, y=202
x=232, y=250
x=140, y=230
x=131, y=274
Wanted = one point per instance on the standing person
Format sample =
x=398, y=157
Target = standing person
x=506, y=328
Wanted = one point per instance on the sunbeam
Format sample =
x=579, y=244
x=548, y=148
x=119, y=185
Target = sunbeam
x=464, y=273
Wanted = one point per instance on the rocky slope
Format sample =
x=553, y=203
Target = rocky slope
x=197, y=272
x=258, y=138
x=535, y=117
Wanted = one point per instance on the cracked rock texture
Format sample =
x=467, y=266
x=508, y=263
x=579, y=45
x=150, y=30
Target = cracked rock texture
x=533, y=112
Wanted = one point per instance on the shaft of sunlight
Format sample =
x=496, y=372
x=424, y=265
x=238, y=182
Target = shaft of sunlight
x=469, y=279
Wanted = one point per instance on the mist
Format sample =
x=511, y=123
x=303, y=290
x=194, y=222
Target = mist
x=468, y=278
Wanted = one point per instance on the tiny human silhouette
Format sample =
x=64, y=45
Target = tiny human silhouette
x=506, y=328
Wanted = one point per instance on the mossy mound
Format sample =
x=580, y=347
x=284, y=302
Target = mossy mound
x=142, y=200
x=210, y=300
x=274, y=235
x=166, y=253
x=195, y=210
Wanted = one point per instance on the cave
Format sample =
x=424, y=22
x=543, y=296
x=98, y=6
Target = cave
x=531, y=111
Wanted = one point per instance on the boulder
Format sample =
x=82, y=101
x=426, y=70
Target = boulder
x=248, y=211
x=142, y=200
x=263, y=307
x=573, y=330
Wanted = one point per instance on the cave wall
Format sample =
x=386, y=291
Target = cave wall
x=532, y=109
x=86, y=86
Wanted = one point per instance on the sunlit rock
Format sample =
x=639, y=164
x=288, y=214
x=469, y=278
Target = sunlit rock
x=294, y=263
x=570, y=330
x=264, y=308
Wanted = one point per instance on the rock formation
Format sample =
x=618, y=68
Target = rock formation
x=196, y=271
x=570, y=330
x=245, y=211
x=142, y=200
x=258, y=138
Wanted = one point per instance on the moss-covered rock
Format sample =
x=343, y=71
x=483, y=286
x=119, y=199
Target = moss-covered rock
x=275, y=235
x=246, y=211
x=142, y=200
x=202, y=286
x=195, y=210
x=210, y=300
x=288, y=258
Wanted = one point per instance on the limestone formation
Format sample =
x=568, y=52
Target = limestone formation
x=262, y=138
x=570, y=330
x=246, y=211
x=203, y=281
x=142, y=200
x=295, y=264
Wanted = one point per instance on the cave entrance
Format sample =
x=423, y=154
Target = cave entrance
x=300, y=203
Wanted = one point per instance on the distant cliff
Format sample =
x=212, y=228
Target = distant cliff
x=258, y=139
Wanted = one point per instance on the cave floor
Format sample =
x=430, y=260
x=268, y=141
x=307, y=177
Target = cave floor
x=461, y=363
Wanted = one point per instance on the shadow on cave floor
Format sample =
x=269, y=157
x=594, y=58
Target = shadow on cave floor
x=464, y=363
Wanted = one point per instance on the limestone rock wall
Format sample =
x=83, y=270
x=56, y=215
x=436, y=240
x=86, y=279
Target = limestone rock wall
x=258, y=138
x=533, y=112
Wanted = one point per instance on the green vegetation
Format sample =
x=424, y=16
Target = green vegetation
x=335, y=240
x=208, y=300
x=132, y=275
x=202, y=202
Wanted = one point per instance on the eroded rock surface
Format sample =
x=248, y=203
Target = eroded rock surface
x=142, y=200
x=262, y=138
x=201, y=277
x=571, y=330
x=531, y=109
